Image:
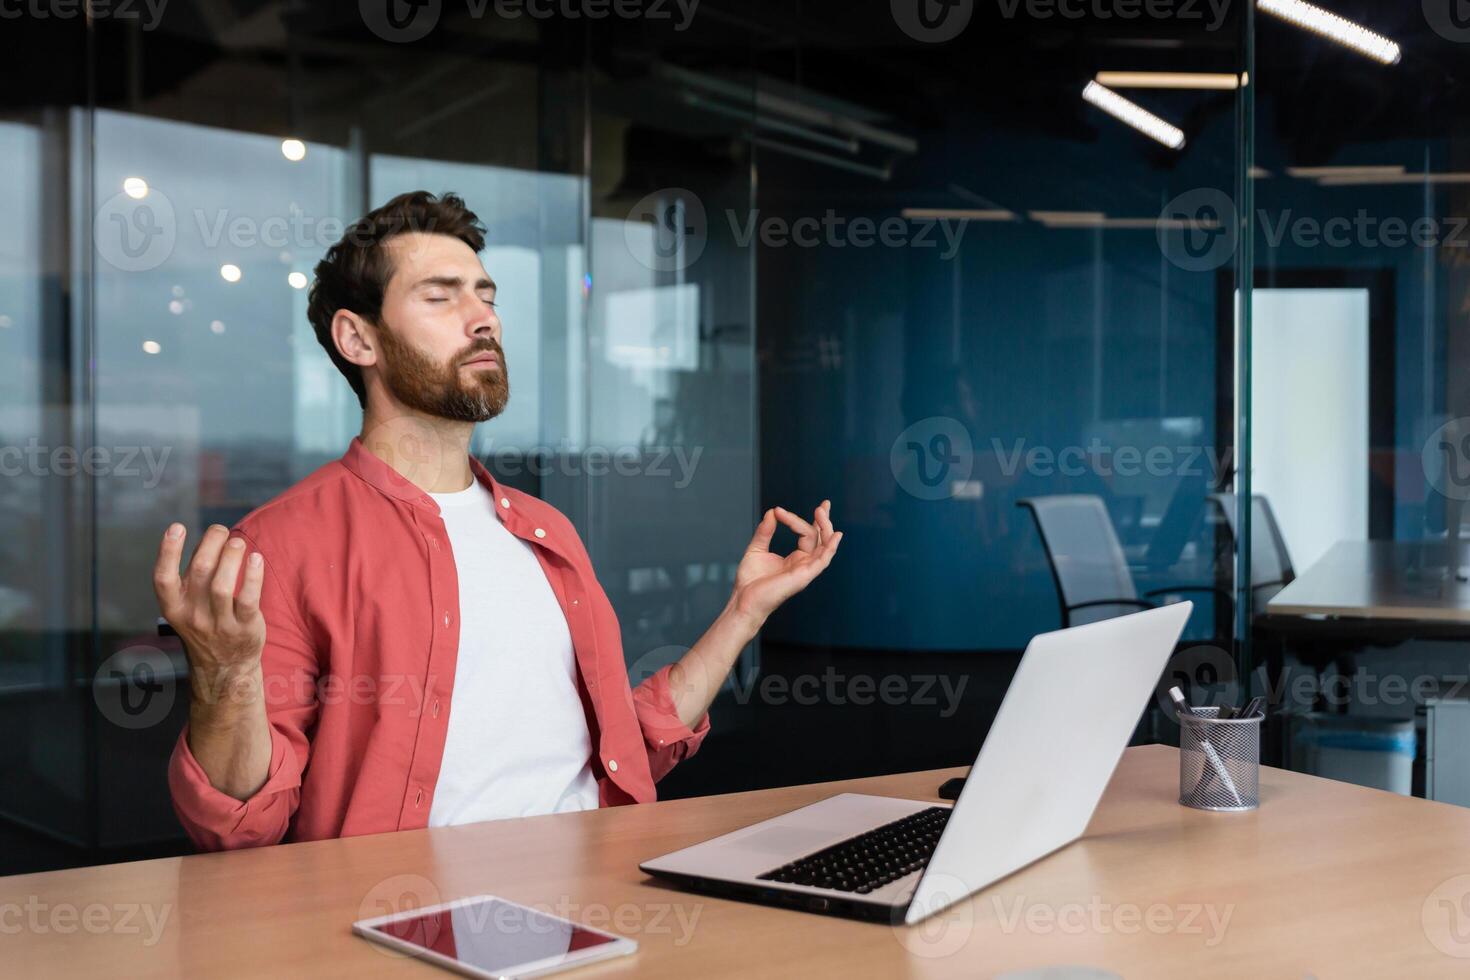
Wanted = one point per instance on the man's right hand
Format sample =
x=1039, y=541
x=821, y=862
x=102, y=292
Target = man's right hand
x=223, y=635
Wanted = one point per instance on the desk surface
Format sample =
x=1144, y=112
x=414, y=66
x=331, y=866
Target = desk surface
x=1326, y=880
x=1391, y=580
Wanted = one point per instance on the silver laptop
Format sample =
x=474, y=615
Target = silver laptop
x=1061, y=729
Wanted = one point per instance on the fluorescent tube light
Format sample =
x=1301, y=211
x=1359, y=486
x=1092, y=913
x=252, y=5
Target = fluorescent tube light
x=1334, y=28
x=1134, y=115
x=1359, y=180
x=960, y=214
x=1169, y=79
x=1346, y=171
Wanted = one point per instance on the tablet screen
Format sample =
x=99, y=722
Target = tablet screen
x=492, y=935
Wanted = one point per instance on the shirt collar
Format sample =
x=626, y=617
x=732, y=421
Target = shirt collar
x=372, y=470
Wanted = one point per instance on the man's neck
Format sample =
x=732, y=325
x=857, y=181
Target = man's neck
x=431, y=453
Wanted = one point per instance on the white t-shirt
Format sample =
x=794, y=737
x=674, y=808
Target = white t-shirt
x=517, y=743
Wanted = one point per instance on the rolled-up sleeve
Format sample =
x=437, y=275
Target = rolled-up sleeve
x=217, y=821
x=669, y=741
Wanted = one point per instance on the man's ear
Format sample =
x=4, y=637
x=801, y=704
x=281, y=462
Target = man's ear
x=355, y=339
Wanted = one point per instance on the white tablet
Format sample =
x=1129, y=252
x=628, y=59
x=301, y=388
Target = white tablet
x=485, y=936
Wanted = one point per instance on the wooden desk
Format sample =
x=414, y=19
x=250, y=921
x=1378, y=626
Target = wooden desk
x=1397, y=581
x=1326, y=880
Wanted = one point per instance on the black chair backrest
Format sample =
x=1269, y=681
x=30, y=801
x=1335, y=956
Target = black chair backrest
x=1087, y=562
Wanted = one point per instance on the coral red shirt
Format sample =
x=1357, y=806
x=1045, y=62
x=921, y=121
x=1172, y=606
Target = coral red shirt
x=361, y=603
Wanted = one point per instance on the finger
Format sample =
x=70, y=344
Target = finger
x=222, y=586
x=822, y=521
x=822, y=558
x=806, y=534
x=166, y=583
x=206, y=557
x=761, y=540
x=247, y=603
x=825, y=524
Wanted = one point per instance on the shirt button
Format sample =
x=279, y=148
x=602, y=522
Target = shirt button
x=436, y=707
x=446, y=620
x=540, y=533
x=612, y=765
x=505, y=501
x=576, y=601
x=418, y=797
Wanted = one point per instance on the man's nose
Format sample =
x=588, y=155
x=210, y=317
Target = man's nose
x=482, y=320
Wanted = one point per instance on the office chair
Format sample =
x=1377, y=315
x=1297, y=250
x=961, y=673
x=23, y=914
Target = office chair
x=1087, y=563
x=1271, y=569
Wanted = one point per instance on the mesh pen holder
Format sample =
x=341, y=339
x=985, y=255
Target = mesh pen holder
x=1219, y=761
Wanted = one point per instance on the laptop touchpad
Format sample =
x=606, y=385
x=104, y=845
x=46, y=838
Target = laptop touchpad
x=790, y=841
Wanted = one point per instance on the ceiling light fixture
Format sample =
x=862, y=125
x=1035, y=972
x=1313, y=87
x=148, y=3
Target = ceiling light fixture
x=1169, y=79
x=1334, y=28
x=1134, y=115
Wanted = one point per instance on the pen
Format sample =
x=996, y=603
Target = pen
x=1216, y=763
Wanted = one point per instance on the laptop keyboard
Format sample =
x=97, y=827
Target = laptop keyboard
x=869, y=860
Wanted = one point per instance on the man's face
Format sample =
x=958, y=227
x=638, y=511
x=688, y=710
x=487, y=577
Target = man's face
x=439, y=334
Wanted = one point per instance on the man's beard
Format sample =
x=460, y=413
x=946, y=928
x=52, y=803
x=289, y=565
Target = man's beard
x=441, y=389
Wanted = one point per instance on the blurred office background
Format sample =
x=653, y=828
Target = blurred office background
x=752, y=254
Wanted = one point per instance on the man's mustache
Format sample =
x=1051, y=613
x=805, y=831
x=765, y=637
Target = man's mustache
x=487, y=346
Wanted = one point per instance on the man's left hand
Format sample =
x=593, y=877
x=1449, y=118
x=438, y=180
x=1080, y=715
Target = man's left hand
x=765, y=579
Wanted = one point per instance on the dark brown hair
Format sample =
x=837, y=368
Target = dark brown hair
x=354, y=273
